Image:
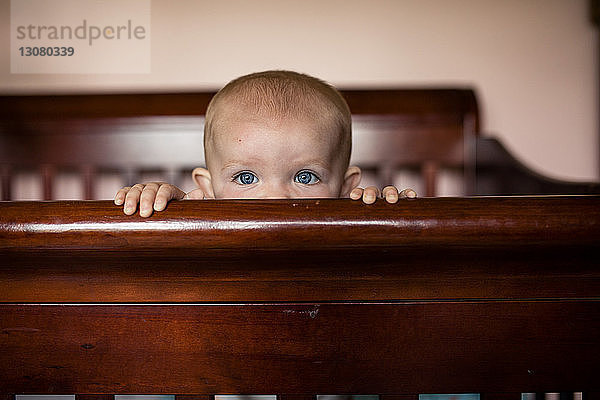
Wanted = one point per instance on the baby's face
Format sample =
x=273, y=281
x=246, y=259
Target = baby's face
x=258, y=158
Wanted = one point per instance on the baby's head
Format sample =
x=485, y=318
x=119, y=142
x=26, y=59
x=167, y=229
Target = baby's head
x=277, y=134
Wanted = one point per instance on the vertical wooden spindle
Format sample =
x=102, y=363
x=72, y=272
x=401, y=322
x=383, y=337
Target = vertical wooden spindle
x=94, y=397
x=6, y=182
x=88, y=175
x=194, y=397
x=131, y=176
x=386, y=176
x=302, y=396
x=501, y=396
x=47, y=181
x=172, y=176
x=399, y=397
x=469, y=154
x=429, y=173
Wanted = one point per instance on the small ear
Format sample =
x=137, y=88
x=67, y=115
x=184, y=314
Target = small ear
x=203, y=180
x=351, y=181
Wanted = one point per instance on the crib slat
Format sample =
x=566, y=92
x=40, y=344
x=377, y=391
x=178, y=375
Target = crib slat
x=501, y=396
x=87, y=175
x=48, y=172
x=194, y=397
x=429, y=172
x=94, y=397
x=296, y=397
x=399, y=397
x=6, y=179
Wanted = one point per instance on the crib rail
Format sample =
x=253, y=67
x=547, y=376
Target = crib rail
x=304, y=224
x=302, y=297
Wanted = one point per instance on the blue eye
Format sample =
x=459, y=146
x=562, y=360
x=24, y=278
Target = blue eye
x=306, y=178
x=245, y=178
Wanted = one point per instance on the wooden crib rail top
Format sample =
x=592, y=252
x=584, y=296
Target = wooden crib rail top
x=302, y=250
x=308, y=224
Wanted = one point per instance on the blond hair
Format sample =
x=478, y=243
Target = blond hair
x=281, y=95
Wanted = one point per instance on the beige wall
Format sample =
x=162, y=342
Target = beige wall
x=532, y=62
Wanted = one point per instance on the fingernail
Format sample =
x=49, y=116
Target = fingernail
x=129, y=209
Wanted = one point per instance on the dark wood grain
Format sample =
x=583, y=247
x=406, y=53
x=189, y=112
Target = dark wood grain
x=194, y=397
x=301, y=297
x=306, y=224
x=97, y=397
x=425, y=102
x=297, y=397
x=282, y=250
x=386, y=348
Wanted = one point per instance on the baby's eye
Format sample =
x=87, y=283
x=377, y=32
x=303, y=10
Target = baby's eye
x=306, y=178
x=245, y=178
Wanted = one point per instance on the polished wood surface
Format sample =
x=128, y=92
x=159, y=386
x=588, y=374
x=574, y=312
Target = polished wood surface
x=345, y=348
x=302, y=250
x=353, y=259
x=496, y=295
x=306, y=224
x=431, y=102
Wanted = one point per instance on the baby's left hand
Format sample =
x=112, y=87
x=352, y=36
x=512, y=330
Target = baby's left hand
x=389, y=193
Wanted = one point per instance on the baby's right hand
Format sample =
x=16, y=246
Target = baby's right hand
x=150, y=196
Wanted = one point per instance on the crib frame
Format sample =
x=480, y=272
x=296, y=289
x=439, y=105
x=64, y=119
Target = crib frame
x=496, y=295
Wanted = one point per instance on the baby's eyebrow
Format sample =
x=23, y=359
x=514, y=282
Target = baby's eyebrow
x=317, y=162
x=239, y=163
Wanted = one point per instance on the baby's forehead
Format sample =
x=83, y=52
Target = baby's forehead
x=316, y=111
x=240, y=122
x=248, y=141
x=316, y=125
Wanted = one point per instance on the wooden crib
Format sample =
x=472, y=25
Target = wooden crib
x=495, y=295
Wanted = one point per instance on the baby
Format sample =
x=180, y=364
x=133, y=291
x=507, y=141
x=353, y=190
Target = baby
x=273, y=134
